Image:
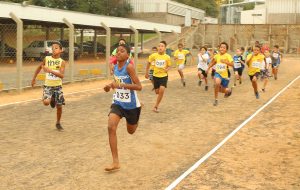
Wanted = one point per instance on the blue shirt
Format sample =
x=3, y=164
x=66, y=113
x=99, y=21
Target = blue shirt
x=125, y=98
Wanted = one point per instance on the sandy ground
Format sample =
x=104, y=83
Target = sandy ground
x=261, y=156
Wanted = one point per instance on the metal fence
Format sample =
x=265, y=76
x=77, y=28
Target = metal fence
x=286, y=36
x=89, y=53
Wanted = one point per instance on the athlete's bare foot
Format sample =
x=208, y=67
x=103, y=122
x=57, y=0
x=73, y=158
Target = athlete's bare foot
x=155, y=109
x=112, y=167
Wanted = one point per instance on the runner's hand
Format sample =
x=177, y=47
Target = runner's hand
x=147, y=75
x=107, y=88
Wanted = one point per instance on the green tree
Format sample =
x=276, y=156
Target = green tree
x=118, y=8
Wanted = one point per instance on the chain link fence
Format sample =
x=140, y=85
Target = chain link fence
x=89, y=52
x=286, y=36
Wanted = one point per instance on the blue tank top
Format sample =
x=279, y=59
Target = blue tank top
x=125, y=98
x=237, y=61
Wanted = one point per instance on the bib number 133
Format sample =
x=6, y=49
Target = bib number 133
x=122, y=95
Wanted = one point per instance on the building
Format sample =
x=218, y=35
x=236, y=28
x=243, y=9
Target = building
x=166, y=11
x=264, y=12
x=231, y=13
x=282, y=11
x=256, y=16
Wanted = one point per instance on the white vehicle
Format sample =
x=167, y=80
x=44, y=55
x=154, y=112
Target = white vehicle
x=132, y=49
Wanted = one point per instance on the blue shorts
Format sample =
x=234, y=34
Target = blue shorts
x=224, y=82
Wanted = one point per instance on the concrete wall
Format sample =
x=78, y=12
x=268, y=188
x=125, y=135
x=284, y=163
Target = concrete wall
x=253, y=16
x=286, y=36
x=163, y=18
x=284, y=18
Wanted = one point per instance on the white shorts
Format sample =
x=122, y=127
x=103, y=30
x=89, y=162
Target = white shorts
x=181, y=67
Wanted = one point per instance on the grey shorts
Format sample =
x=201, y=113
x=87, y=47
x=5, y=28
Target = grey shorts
x=56, y=92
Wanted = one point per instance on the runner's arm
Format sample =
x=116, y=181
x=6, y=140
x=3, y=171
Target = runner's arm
x=37, y=71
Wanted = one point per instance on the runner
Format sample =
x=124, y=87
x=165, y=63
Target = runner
x=239, y=65
x=180, y=58
x=54, y=67
x=125, y=101
x=276, y=60
x=160, y=72
x=222, y=60
x=113, y=58
x=203, y=58
x=254, y=62
x=264, y=70
x=154, y=50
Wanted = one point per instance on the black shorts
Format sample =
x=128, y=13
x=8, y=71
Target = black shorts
x=255, y=75
x=213, y=72
x=132, y=116
x=157, y=81
x=203, y=72
x=239, y=70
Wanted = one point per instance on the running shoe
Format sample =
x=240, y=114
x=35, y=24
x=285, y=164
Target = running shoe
x=215, y=103
x=206, y=88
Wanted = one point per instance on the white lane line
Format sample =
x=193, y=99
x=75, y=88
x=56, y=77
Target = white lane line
x=204, y=158
x=77, y=92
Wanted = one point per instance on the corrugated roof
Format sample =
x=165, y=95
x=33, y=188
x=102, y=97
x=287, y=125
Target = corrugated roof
x=43, y=14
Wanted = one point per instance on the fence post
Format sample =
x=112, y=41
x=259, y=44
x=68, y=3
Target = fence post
x=107, y=50
x=136, y=41
x=287, y=39
x=62, y=33
x=177, y=36
x=71, y=49
x=159, y=34
x=19, y=54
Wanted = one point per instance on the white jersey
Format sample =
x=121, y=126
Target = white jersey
x=202, y=61
x=268, y=61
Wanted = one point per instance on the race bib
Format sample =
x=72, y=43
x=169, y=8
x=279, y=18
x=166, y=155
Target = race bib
x=256, y=65
x=237, y=65
x=160, y=63
x=122, y=95
x=50, y=76
x=203, y=66
x=221, y=67
x=180, y=56
x=275, y=55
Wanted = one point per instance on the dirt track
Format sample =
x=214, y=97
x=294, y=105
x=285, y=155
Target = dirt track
x=35, y=156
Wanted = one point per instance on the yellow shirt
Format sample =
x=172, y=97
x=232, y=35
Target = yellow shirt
x=255, y=63
x=161, y=62
x=180, y=55
x=55, y=65
x=222, y=68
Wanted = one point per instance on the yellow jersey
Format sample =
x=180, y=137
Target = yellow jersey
x=180, y=55
x=55, y=65
x=222, y=68
x=255, y=63
x=161, y=62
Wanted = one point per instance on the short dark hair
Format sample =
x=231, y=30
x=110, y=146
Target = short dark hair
x=224, y=43
x=242, y=48
x=154, y=48
x=180, y=44
x=257, y=46
x=122, y=39
x=203, y=48
x=58, y=43
x=163, y=42
x=276, y=46
x=127, y=48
